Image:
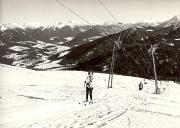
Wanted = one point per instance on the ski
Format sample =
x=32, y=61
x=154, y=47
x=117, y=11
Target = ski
x=86, y=103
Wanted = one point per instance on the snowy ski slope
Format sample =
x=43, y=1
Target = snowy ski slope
x=50, y=99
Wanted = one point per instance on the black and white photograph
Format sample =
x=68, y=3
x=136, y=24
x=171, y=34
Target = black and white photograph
x=89, y=63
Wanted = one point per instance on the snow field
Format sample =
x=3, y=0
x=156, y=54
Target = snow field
x=50, y=99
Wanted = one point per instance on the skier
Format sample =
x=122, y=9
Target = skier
x=140, y=86
x=88, y=86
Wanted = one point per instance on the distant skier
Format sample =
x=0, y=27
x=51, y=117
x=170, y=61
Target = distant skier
x=140, y=86
x=88, y=85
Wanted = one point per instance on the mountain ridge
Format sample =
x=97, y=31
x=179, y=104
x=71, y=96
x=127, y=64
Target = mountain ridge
x=84, y=48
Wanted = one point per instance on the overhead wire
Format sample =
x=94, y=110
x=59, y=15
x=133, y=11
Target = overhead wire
x=150, y=57
x=109, y=12
x=138, y=44
x=105, y=34
x=143, y=55
x=72, y=11
x=144, y=45
x=113, y=16
x=131, y=31
x=134, y=41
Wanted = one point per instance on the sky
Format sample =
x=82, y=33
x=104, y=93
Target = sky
x=50, y=11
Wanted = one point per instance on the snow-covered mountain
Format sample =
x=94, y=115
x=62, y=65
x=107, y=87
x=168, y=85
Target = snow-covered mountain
x=173, y=21
x=27, y=45
x=134, y=58
x=72, y=24
x=28, y=53
x=94, y=33
x=83, y=47
x=55, y=33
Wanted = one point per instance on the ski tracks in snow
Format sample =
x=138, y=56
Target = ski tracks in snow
x=123, y=106
x=106, y=110
x=109, y=110
x=114, y=107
